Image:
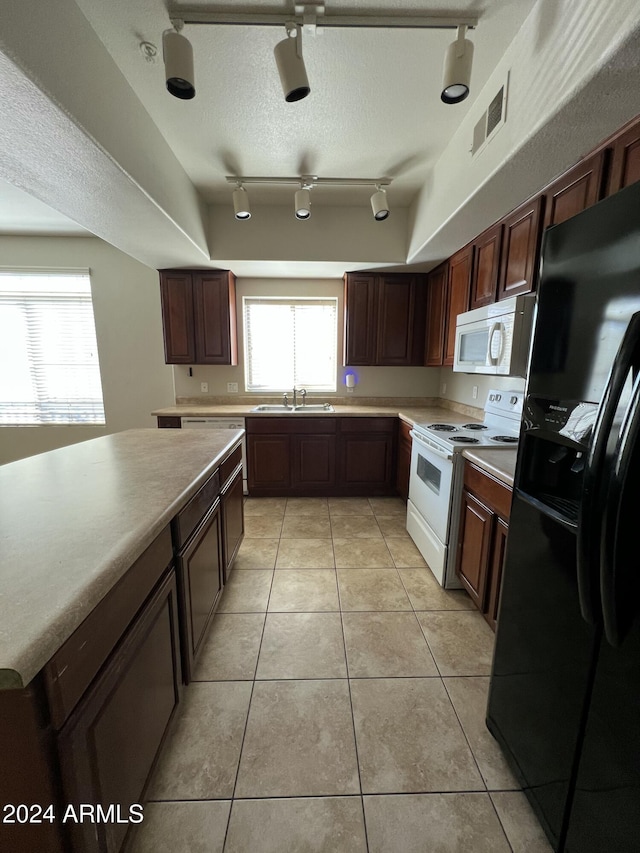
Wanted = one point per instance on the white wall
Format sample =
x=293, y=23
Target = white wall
x=372, y=381
x=126, y=301
x=459, y=386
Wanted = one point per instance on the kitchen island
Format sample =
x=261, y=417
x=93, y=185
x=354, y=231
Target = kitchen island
x=94, y=621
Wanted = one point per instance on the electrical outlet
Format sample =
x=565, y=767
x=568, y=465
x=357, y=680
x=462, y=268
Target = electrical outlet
x=232, y=387
x=474, y=393
x=443, y=389
x=204, y=387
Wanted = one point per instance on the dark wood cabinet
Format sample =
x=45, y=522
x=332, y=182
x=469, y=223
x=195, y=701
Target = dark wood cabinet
x=384, y=319
x=314, y=461
x=403, y=467
x=437, y=284
x=482, y=537
x=522, y=233
x=367, y=448
x=109, y=744
x=199, y=316
x=486, y=266
x=460, y=268
x=625, y=159
x=268, y=461
x=232, y=501
x=575, y=190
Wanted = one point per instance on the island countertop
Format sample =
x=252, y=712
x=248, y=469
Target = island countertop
x=73, y=521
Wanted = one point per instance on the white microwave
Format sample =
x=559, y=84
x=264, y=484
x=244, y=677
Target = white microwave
x=495, y=338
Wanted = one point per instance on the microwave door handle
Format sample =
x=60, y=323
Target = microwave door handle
x=435, y=450
x=499, y=329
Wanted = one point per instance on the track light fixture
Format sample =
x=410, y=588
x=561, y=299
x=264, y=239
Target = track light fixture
x=241, y=206
x=178, y=63
x=302, y=203
x=456, y=74
x=293, y=74
x=379, y=204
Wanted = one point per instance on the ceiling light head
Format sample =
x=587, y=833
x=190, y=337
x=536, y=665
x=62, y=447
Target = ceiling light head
x=456, y=74
x=241, y=206
x=293, y=75
x=178, y=64
x=379, y=204
x=303, y=203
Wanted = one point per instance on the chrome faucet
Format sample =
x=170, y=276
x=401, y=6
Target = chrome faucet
x=285, y=401
x=303, y=392
x=294, y=396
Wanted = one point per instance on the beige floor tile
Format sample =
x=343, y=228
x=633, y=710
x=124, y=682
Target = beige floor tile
x=302, y=645
x=305, y=554
x=349, y=506
x=200, y=757
x=246, y=592
x=371, y=589
x=299, y=741
x=256, y=554
x=230, y=649
x=306, y=527
x=386, y=644
x=392, y=525
x=409, y=738
x=460, y=641
x=304, y=590
x=469, y=697
x=433, y=823
x=388, y=506
x=520, y=823
x=362, y=554
x=307, y=506
x=265, y=506
x=426, y=593
x=198, y=827
x=404, y=552
x=262, y=526
x=313, y=825
x=355, y=527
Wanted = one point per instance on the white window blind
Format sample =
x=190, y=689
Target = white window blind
x=49, y=370
x=290, y=342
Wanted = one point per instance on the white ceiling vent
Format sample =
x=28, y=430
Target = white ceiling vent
x=491, y=119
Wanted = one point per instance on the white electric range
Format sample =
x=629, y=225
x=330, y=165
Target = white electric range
x=435, y=480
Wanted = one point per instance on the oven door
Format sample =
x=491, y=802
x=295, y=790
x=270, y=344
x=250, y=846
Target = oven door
x=430, y=483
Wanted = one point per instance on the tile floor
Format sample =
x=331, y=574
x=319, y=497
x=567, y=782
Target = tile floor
x=338, y=703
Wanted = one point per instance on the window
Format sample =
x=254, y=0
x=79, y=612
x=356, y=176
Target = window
x=290, y=342
x=49, y=370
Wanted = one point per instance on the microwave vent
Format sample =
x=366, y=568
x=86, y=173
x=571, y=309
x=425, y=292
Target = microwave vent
x=490, y=121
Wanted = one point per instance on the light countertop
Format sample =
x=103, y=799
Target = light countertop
x=74, y=520
x=500, y=462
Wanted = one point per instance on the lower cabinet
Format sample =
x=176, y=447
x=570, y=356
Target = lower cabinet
x=484, y=517
x=403, y=467
x=232, y=501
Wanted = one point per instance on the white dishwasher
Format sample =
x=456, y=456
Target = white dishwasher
x=222, y=423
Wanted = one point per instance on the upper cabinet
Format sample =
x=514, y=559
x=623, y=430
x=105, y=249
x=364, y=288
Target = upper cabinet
x=199, y=316
x=521, y=233
x=625, y=161
x=437, y=292
x=575, y=190
x=384, y=319
x=486, y=265
x=460, y=269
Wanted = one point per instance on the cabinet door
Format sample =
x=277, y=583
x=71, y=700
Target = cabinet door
x=176, y=294
x=625, y=163
x=367, y=463
x=232, y=520
x=268, y=463
x=199, y=567
x=520, y=249
x=108, y=746
x=214, y=296
x=476, y=525
x=360, y=308
x=496, y=562
x=314, y=462
x=436, y=315
x=458, y=301
x=574, y=191
x=401, y=315
x=486, y=265
x=403, y=466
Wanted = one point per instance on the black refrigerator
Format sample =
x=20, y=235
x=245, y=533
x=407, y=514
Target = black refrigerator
x=564, y=700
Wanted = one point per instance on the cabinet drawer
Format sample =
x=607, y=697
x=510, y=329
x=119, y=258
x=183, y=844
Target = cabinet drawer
x=230, y=464
x=187, y=520
x=72, y=669
x=290, y=424
x=357, y=424
x=494, y=493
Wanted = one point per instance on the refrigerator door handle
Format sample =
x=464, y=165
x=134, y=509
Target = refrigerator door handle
x=593, y=500
x=618, y=568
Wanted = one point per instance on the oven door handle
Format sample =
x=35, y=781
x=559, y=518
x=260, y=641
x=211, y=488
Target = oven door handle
x=444, y=454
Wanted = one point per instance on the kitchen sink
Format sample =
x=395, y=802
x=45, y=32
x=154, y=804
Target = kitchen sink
x=315, y=407
x=310, y=407
x=274, y=408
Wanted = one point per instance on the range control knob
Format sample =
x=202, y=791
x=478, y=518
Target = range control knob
x=498, y=397
x=513, y=400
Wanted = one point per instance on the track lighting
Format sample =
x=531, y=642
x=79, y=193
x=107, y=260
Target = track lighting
x=379, y=204
x=303, y=203
x=456, y=74
x=293, y=75
x=241, y=205
x=178, y=63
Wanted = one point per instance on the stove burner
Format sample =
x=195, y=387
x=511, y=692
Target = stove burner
x=474, y=426
x=464, y=439
x=507, y=439
x=442, y=427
